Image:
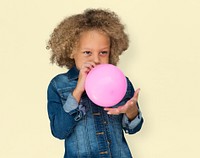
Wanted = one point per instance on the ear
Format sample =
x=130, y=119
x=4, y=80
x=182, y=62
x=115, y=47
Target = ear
x=72, y=56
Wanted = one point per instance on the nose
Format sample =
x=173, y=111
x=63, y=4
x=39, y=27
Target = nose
x=96, y=59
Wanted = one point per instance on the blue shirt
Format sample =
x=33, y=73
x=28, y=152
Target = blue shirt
x=88, y=131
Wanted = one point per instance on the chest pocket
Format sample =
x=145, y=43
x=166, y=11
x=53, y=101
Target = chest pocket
x=64, y=93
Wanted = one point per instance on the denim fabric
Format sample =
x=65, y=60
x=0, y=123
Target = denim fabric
x=88, y=131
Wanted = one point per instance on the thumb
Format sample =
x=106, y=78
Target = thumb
x=136, y=94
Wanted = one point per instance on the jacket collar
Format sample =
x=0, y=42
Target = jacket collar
x=73, y=73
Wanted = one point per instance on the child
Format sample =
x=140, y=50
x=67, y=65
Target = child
x=80, y=42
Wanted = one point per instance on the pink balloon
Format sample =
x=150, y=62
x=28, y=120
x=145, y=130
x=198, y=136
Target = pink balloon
x=106, y=85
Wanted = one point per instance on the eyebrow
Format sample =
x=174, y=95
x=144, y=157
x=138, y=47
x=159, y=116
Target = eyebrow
x=107, y=47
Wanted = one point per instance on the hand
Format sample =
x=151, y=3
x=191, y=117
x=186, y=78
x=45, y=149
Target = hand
x=80, y=87
x=130, y=108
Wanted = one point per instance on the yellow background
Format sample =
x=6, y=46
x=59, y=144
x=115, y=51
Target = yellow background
x=163, y=60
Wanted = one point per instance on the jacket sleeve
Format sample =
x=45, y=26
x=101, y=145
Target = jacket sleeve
x=63, y=117
x=135, y=125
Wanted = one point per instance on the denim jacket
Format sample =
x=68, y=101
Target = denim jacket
x=88, y=131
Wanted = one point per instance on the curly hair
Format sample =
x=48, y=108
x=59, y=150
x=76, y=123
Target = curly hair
x=65, y=36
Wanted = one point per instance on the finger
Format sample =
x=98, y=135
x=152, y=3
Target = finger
x=114, y=111
x=85, y=70
x=86, y=67
x=109, y=110
x=130, y=102
x=90, y=64
x=136, y=94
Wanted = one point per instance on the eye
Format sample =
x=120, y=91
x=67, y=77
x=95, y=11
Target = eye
x=104, y=52
x=87, y=53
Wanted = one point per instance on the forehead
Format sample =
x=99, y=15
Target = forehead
x=94, y=36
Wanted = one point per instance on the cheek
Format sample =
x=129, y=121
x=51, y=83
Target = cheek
x=105, y=60
x=78, y=65
x=80, y=61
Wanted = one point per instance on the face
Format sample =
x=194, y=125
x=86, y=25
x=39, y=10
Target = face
x=93, y=46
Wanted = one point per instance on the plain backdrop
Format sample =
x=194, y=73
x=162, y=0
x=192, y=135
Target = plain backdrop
x=163, y=60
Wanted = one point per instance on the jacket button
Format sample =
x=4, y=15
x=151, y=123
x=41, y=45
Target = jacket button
x=104, y=152
x=100, y=133
x=96, y=113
